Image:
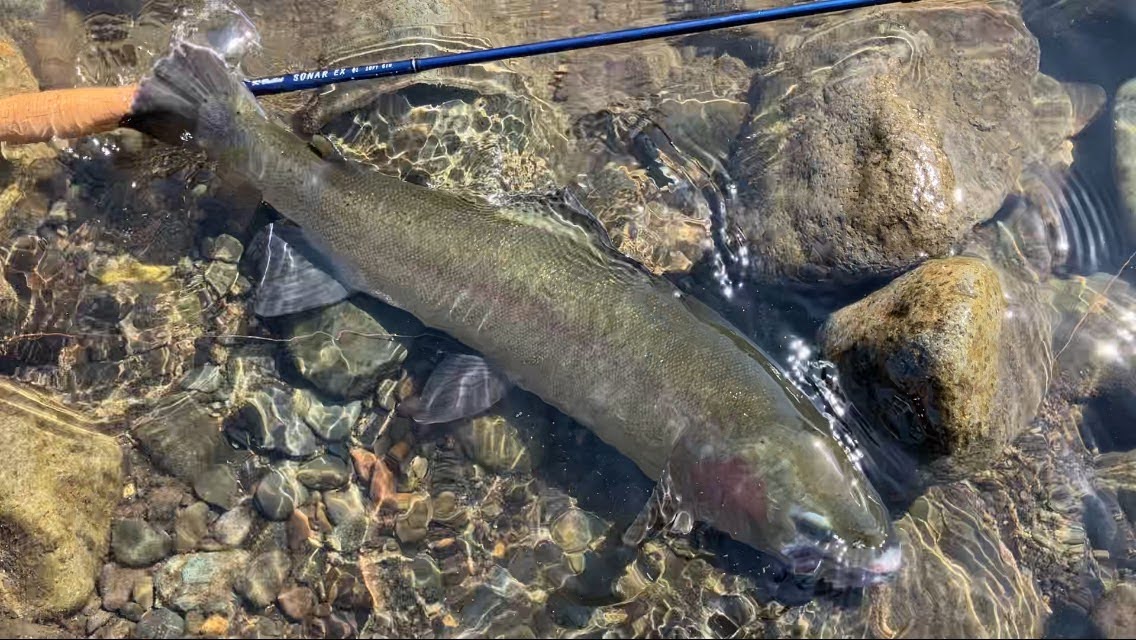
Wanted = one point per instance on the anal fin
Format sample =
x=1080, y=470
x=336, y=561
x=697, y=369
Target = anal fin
x=294, y=274
x=462, y=386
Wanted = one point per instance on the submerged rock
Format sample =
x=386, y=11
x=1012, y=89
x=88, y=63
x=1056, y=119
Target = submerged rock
x=575, y=530
x=1041, y=492
x=279, y=493
x=330, y=421
x=224, y=248
x=345, y=348
x=344, y=505
x=509, y=438
x=410, y=527
x=1115, y=614
x=15, y=74
x=957, y=579
x=191, y=526
x=180, y=436
x=137, y=544
x=218, y=485
x=297, y=603
x=233, y=527
x=1117, y=471
x=269, y=421
x=200, y=581
x=160, y=623
x=61, y=483
x=117, y=585
x=941, y=359
x=879, y=139
x=264, y=578
x=324, y=472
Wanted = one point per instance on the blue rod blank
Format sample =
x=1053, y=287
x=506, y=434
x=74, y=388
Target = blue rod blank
x=323, y=77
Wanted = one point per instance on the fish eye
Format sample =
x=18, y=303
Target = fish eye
x=813, y=525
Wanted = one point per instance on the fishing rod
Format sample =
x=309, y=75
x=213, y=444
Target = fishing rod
x=72, y=113
x=323, y=77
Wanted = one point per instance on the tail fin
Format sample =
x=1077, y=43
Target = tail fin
x=190, y=89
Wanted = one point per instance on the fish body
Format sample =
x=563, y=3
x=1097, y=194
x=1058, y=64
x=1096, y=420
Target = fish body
x=651, y=371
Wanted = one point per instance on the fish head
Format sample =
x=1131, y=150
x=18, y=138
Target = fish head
x=791, y=491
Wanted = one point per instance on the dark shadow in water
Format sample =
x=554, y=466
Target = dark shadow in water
x=1108, y=421
x=1098, y=50
x=1070, y=622
x=115, y=7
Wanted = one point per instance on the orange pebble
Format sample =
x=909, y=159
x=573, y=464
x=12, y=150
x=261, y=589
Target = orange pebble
x=299, y=529
x=215, y=625
x=382, y=484
x=399, y=451
x=364, y=462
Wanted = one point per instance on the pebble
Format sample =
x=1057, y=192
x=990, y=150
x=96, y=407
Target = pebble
x=416, y=472
x=335, y=626
x=116, y=628
x=448, y=510
x=332, y=422
x=344, y=349
x=163, y=502
x=96, y=620
x=160, y=623
x=180, y=436
x=264, y=578
x=214, y=625
x=364, y=462
x=233, y=527
x=116, y=584
x=278, y=494
x=311, y=571
x=268, y=422
x=324, y=472
x=193, y=622
x=382, y=487
x=1115, y=614
x=221, y=276
x=143, y=592
x=205, y=379
x=299, y=531
x=191, y=526
x=427, y=577
x=137, y=544
x=575, y=530
x=344, y=504
x=346, y=587
x=218, y=485
x=411, y=526
x=132, y=611
x=297, y=603
x=508, y=440
x=200, y=581
x=348, y=536
x=225, y=248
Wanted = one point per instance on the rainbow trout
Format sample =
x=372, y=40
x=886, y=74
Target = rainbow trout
x=650, y=370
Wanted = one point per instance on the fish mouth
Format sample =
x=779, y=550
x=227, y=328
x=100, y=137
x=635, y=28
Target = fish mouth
x=843, y=565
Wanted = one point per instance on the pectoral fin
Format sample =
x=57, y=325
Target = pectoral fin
x=462, y=386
